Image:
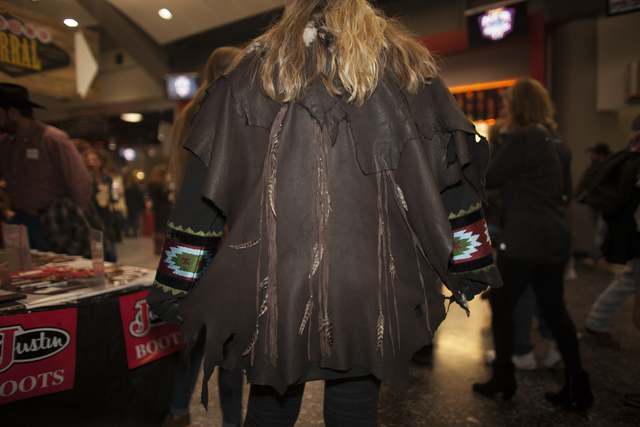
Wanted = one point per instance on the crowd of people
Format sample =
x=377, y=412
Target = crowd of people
x=327, y=164
x=59, y=188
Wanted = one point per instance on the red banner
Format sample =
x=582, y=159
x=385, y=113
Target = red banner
x=147, y=337
x=37, y=353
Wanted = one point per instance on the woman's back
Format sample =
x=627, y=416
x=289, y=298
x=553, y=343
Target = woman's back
x=532, y=168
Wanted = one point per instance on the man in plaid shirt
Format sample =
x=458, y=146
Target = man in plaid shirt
x=39, y=163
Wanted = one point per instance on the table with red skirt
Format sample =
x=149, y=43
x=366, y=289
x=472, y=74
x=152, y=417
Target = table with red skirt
x=84, y=351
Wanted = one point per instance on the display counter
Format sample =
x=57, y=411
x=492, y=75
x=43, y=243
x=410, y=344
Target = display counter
x=86, y=355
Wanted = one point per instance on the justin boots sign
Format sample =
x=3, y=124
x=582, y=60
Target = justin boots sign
x=147, y=337
x=37, y=354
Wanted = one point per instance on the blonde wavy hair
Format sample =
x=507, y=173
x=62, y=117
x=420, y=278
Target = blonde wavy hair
x=219, y=60
x=528, y=103
x=355, y=45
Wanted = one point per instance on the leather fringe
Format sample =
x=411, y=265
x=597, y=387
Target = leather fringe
x=416, y=244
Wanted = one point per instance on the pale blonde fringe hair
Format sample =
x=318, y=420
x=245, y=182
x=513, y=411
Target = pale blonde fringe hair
x=218, y=62
x=528, y=103
x=361, y=47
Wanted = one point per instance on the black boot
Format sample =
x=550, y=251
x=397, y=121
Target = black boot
x=503, y=381
x=576, y=393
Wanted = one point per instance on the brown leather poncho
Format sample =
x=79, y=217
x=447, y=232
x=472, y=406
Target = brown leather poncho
x=342, y=227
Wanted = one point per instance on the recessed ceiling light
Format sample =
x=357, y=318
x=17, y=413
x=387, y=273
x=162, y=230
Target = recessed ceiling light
x=131, y=117
x=165, y=14
x=70, y=22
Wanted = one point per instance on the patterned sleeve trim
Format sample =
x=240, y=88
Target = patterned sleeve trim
x=185, y=257
x=472, y=251
x=477, y=272
x=172, y=226
x=476, y=207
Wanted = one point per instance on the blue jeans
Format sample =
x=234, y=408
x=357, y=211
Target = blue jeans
x=34, y=229
x=606, y=307
x=348, y=402
x=229, y=383
x=599, y=233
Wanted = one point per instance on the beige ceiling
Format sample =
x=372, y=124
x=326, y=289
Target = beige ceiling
x=189, y=16
x=58, y=9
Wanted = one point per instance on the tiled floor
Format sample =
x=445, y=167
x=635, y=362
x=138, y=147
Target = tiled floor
x=441, y=393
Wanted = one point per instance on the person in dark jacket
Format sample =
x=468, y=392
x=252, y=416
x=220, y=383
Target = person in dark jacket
x=160, y=194
x=620, y=201
x=598, y=153
x=134, y=199
x=351, y=181
x=532, y=168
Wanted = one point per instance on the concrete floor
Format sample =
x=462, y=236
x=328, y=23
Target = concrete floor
x=441, y=395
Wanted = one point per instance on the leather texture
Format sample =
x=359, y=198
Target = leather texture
x=423, y=141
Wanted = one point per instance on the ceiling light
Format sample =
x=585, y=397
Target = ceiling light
x=70, y=22
x=165, y=14
x=131, y=117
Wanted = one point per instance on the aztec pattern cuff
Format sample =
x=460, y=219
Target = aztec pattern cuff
x=185, y=257
x=471, y=243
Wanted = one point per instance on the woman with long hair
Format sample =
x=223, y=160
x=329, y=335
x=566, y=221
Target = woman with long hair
x=351, y=181
x=229, y=384
x=532, y=169
x=219, y=60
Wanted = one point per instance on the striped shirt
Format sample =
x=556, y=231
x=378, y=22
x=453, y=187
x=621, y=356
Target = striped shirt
x=41, y=165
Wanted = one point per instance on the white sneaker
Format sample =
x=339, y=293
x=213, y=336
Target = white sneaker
x=526, y=362
x=489, y=357
x=570, y=274
x=553, y=355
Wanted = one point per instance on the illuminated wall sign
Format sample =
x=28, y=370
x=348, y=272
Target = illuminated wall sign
x=497, y=22
x=39, y=53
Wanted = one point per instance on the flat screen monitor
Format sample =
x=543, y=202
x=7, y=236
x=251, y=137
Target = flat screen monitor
x=616, y=7
x=181, y=86
x=497, y=22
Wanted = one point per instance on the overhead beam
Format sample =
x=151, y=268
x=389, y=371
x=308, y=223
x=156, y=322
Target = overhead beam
x=151, y=57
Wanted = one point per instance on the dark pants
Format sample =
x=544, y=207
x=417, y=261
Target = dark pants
x=132, y=222
x=34, y=229
x=547, y=284
x=350, y=402
x=229, y=386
